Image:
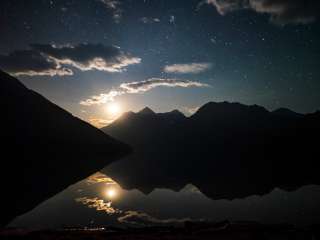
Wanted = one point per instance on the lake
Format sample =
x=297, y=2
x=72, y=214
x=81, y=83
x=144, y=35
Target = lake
x=99, y=201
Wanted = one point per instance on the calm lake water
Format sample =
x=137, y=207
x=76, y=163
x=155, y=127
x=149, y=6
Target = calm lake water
x=99, y=201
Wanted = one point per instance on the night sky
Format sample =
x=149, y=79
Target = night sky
x=165, y=54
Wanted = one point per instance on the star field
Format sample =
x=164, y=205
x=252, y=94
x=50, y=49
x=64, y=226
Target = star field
x=255, y=56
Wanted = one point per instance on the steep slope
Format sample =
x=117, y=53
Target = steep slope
x=228, y=150
x=44, y=149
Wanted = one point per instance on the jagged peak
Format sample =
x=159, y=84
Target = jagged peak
x=146, y=111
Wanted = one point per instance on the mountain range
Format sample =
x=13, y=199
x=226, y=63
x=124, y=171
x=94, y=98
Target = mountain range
x=44, y=149
x=228, y=150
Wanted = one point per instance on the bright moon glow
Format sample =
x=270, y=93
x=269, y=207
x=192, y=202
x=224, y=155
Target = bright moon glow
x=111, y=193
x=114, y=109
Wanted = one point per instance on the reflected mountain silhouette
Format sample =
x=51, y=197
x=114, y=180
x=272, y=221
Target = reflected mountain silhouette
x=228, y=150
x=44, y=149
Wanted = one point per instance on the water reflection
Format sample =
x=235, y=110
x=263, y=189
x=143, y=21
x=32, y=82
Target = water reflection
x=111, y=193
x=98, y=204
x=99, y=201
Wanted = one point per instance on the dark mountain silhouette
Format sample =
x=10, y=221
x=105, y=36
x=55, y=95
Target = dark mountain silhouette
x=285, y=112
x=147, y=111
x=174, y=116
x=228, y=150
x=44, y=149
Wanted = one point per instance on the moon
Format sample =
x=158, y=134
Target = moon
x=111, y=193
x=114, y=109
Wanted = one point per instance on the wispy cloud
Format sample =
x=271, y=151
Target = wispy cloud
x=187, y=68
x=128, y=217
x=280, y=11
x=115, y=7
x=89, y=56
x=140, y=87
x=32, y=63
x=100, y=178
x=51, y=60
x=98, y=204
x=147, y=20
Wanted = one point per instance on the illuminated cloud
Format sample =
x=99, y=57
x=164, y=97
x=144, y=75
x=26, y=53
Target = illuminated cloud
x=140, y=87
x=32, y=63
x=143, y=86
x=129, y=217
x=98, y=204
x=89, y=56
x=187, y=68
x=100, y=178
x=49, y=72
x=144, y=219
x=280, y=11
x=51, y=60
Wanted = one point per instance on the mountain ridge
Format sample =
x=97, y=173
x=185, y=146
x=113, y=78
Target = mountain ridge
x=45, y=148
x=220, y=143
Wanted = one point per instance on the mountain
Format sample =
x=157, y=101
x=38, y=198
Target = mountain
x=147, y=111
x=285, y=112
x=228, y=150
x=44, y=149
x=146, y=125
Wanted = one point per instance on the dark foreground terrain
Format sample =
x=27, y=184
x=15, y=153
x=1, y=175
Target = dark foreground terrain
x=45, y=147
x=220, y=231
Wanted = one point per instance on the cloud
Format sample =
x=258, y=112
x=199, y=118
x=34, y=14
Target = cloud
x=187, y=68
x=100, y=178
x=140, y=87
x=32, y=63
x=98, y=204
x=280, y=11
x=147, y=20
x=144, y=219
x=114, y=6
x=50, y=60
x=143, y=86
x=89, y=56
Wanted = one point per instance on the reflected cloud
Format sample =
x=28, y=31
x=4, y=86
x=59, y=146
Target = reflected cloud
x=100, y=178
x=140, y=218
x=98, y=204
x=190, y=188
x=190, y=110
